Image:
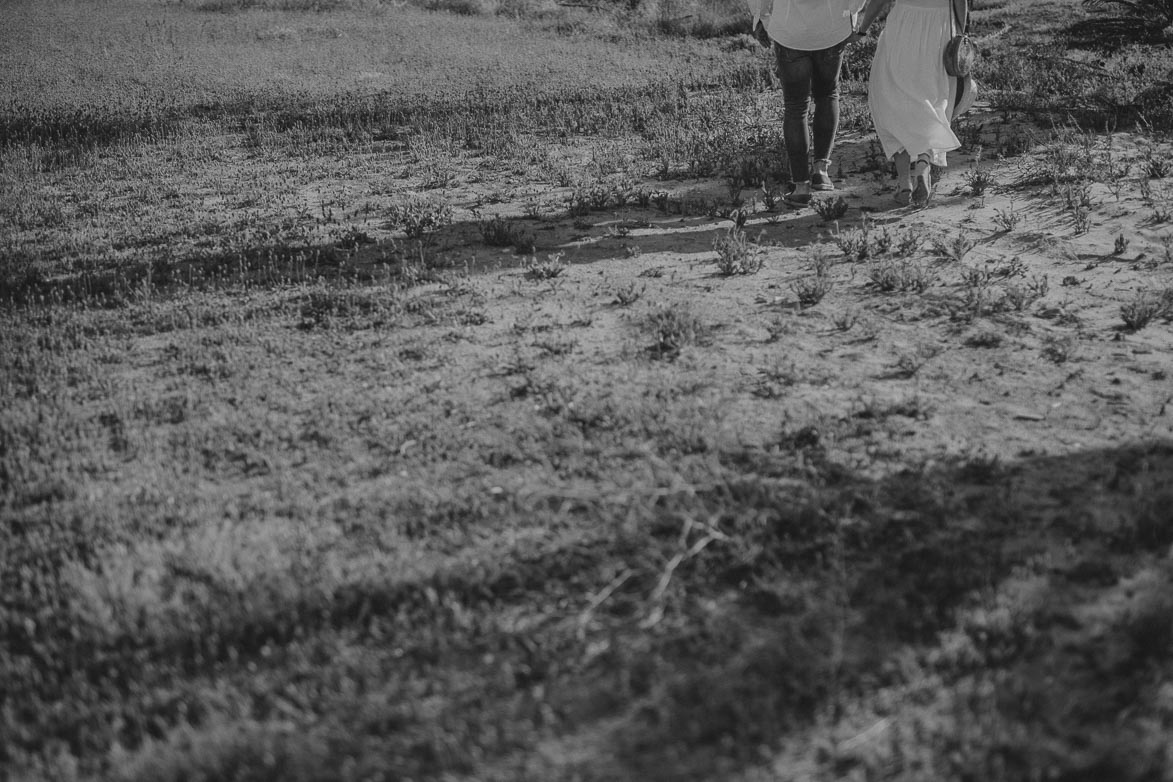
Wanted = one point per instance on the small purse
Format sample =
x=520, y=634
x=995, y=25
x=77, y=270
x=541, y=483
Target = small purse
x=960, y=53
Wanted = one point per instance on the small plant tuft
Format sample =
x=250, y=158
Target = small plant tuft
x=979, y=180
x=1059, y=349
x=845, y=320
x=736, y=254
x=769, y=199
x=811, y=289
x=954, y=248
x=1143, y=308
x=1155, y=166
x=419, y=218
x=629, y=294
x=889, y=275
x=1007, y=219
x=909, y=365
x=552, y=267
x=498, y=232
x=830, y=209
x=867, y=242
x=673, y=327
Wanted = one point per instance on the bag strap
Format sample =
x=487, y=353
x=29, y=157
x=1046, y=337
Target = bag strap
x=961, y=15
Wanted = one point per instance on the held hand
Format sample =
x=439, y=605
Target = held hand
x=759, y=32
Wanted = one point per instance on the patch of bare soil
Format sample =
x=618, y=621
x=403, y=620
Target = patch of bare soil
x=999, y=315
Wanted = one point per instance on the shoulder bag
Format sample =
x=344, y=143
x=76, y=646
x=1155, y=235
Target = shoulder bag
x=960, y=53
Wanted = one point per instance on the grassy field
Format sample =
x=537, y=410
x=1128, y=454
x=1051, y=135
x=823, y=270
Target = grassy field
x=440, y=391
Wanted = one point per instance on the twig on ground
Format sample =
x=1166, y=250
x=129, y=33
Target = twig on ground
x=657, y=598
x=584, y=618
x=877, y=727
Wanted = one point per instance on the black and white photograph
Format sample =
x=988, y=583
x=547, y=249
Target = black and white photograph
x=586, y=391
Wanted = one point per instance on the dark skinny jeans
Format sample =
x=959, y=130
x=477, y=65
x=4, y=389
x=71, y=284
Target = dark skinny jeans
x=807, y=75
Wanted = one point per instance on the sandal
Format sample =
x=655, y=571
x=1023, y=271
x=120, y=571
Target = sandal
x=923, y=177
x=904, y=196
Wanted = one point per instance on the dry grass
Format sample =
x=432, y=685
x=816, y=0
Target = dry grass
x=379, y=419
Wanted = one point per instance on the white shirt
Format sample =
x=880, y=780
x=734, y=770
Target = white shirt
x=806, y=25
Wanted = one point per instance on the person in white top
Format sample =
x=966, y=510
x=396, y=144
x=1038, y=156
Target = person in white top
x=808, y=38
x=912, y=100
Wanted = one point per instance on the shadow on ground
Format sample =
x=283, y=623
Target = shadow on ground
x=965, y=620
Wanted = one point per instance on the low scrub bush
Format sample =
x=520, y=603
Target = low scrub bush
x=890, y=275
x=1142, y=309
x=419, y=217
x=737, y=254
x=498, y=232
x=811, y=289
x=830, y=209
x=552, y=267
x=673, y=327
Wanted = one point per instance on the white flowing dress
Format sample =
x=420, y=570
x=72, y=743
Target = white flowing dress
x=909, y=93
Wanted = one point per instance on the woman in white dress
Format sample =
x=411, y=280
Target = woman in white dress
x=910, y=95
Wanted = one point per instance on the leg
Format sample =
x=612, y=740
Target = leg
x=794, y=71
x=922, y=179
x=825, y=93
x=903, y=177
